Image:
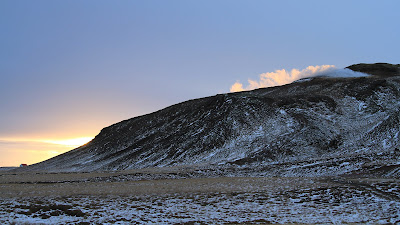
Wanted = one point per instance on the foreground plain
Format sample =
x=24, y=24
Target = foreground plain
x=184, y=196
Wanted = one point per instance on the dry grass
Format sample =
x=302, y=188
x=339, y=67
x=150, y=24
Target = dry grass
x=17, y=177
x=104, y=183
x=150, y=187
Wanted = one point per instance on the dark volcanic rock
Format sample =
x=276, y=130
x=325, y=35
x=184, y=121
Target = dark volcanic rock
x=321, y=126
x=378, y=69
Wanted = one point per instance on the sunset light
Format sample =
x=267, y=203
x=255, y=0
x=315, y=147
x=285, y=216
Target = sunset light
x=75, y=142
x=29, y=150
x=199, y=112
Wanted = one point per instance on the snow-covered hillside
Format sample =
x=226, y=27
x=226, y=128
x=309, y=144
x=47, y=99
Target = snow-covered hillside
x=319, y=126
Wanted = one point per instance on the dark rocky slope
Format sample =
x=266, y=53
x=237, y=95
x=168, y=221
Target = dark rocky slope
x=314, y=127
x=378, y=69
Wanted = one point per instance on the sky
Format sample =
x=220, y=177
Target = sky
x=70, y=68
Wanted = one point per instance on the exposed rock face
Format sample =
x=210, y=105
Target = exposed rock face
x=318, y=126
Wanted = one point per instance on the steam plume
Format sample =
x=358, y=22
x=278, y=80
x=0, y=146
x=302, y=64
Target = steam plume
x=281, y=77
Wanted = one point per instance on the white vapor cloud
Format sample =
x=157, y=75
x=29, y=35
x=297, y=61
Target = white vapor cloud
x=281, y=77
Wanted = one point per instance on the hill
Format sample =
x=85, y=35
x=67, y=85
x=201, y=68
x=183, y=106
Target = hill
x=313, y=127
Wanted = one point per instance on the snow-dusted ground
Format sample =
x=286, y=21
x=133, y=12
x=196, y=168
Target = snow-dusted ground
x=223, y=200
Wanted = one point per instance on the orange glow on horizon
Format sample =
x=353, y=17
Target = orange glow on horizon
x=14, y=151
x=74, y=142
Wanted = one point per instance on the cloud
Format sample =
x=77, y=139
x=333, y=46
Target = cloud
x=281, y=77
x=237, y=87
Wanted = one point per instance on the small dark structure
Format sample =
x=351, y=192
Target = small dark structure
x=23, y=165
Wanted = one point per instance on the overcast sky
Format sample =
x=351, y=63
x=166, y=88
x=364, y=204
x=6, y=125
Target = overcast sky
x=70, y=68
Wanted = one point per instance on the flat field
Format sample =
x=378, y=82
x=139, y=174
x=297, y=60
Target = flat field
x=176, y=196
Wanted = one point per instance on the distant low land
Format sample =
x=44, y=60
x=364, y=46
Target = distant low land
x=7, y=168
